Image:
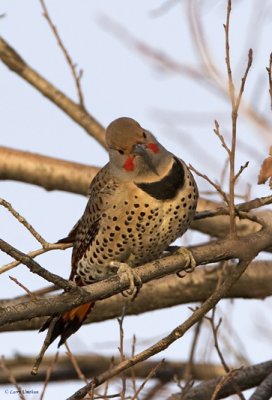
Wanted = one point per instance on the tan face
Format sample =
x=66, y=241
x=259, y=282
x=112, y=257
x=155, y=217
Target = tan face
x=132, y=148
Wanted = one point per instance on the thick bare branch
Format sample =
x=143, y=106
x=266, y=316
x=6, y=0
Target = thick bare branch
x=56, y=174
x=16, y=64
x=246, y=378
x=229, y=248
x=93, y=364
x=47, y=172
x=264, y=390
x=167, y=292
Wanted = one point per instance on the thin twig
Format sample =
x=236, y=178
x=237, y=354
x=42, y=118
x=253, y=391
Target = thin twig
x=121, y=350
x=190, y=364
x=35, y=253
x=76, y=76
x=252, y=217
x=215, y=185
x=234, y=116
x=155, y=391
x=14, y=62
x=109, y=396
x=133, y=375
x=242, y=207
x=222, y=382
x=11, y=378
x=106, y=388
x=246, y=378
x=35, y=268
x=30, y=294
x=24, y=222
x=48, y=374
x=224, y=173
x=215, y=329
x=227, y=58
x=235, y=103
x=149, y=376
x=269, y=70
x=221, y=137
x=241, y=170
x=75, y=364
x=244, y=78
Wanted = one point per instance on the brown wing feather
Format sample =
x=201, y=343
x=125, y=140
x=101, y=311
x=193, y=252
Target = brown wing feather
x=71, y=237
x=88, y=225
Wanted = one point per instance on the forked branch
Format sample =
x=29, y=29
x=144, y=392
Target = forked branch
x=235, y=103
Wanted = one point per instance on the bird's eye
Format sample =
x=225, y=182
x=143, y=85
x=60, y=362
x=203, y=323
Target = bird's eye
x=120, y=152
x=144, y=135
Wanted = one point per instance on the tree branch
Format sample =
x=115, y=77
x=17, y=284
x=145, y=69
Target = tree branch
x=264, y=390
x=167, y=292
x=24, y=222
x=55, y=174
x=93, y=364
x=246, y=378
x=35, y=268
x=69, y=60
x=47, y=172
x=229, y=248
x=16, y=64
x=35, y=253
x=269, y=70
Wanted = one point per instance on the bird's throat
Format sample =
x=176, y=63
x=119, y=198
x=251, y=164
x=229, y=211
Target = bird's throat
x=167, y=187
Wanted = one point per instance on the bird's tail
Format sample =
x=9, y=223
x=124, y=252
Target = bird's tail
x=66, y=324
x=63, y=325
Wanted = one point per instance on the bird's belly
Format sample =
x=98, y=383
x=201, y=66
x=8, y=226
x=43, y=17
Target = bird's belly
x=135, y=234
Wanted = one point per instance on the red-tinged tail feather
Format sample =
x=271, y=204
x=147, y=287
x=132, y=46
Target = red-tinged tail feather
x=67, y=323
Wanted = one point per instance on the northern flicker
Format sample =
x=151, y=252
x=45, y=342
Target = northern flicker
x=139, y=203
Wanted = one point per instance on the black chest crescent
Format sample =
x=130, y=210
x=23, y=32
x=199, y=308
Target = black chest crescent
x=166, y=188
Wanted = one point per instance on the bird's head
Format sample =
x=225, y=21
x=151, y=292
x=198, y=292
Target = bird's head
x=134, y=151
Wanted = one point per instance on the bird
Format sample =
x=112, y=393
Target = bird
x=140, y=202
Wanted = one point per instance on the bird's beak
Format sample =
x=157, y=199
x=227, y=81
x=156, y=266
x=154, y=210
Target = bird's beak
x=141, y=150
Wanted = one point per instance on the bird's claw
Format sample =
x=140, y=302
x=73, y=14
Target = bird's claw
x=124, y=271
x=190, y=262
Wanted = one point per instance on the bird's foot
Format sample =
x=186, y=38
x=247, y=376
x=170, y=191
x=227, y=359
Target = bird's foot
x=190, y=262
x=125, y=271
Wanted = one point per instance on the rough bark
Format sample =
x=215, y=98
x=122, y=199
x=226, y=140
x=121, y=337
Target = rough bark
x=167, y=292
x=246, y=378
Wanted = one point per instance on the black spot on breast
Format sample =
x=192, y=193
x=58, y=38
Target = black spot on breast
x=167, y=187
